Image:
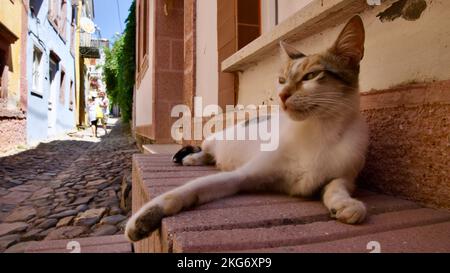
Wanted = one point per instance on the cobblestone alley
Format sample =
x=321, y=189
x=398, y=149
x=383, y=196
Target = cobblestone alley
x=73, y=187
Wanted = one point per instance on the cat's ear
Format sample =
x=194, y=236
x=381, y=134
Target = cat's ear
x=290, y=52
x=350, y=43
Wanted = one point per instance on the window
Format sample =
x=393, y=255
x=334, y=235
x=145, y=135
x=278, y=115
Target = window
x=143, y=35
x=71, y=96
x=6, y=39
x=238, y=23
x=145, y=29
x=36, y=71
x=35, y=7
x=53, y=69
x=62, y=87
x=248, y=21
x=73, y=24
x=74, y=14
x=3, y=74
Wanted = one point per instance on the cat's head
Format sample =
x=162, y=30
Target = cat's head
x=325, y=84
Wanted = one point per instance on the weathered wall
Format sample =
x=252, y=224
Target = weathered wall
x=286, y=8
x=409, y=151
x=11, y=17
x=12, y=117
x=12, y=133
x=397, y=52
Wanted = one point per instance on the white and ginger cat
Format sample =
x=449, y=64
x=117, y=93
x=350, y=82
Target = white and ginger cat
x=323, y=142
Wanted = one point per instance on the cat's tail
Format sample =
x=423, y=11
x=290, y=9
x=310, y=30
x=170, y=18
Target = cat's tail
x=186, y=151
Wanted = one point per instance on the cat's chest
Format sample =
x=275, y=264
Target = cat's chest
x=310, y=157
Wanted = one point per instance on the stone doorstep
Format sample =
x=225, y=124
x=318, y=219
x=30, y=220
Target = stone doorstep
x=276, y=223
x=108, y=244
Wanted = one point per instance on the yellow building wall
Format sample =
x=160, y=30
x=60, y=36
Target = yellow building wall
x=11, y=17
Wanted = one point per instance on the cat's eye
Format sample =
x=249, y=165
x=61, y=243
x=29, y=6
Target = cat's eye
x=311, y=75
x=282, y=80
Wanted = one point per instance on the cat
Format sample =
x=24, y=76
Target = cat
x=322, y=149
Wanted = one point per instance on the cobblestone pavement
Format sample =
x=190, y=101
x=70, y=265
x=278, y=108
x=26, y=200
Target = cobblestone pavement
x=74, y=187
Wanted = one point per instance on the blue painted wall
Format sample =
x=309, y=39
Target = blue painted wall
x=43, y=36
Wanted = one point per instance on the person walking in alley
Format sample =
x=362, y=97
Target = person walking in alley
x=104, y=104
x=92, y=109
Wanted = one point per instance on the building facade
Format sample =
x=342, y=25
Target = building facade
x=230, y=55
x=51, y=69
x=13, y=84
x=88, y=51
x=159, y=66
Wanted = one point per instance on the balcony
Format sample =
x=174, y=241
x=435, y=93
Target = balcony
x=90, y=45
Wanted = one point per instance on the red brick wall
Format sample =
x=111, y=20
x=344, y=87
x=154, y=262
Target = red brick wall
x=169, y=67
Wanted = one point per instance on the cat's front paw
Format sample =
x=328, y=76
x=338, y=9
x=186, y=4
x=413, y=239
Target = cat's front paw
x=349, y=211
x=189, y=160
x=194, y=160
x=143, y=223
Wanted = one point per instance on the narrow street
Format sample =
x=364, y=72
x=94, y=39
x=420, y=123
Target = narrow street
x=66, y=188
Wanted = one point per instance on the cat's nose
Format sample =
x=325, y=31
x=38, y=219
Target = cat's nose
x=284, y=96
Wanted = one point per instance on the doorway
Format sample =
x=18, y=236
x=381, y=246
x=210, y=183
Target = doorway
x=52, y=105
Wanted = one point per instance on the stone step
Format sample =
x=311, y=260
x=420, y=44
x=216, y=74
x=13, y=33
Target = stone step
x=327, y=231
x=266, y=222
x=421, y=239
